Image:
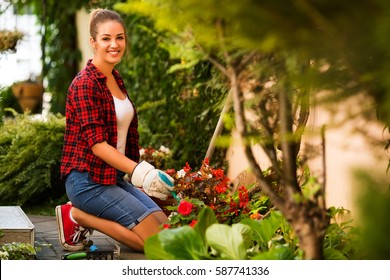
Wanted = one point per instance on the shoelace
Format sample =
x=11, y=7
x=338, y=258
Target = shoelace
x=80, y=234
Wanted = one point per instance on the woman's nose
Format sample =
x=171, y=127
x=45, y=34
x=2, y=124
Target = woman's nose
x=114, y=43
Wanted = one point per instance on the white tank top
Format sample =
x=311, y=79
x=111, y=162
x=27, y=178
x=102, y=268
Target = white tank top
x=124, y=115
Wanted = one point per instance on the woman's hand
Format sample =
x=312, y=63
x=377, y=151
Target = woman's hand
x=155, y=182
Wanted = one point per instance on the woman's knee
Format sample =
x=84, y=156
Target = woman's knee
x=161, y=217
x=147, y=227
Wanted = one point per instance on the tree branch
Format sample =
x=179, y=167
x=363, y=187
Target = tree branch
x=287, y=144
x=304, y=107
x=323, y=186
x=238, y=105
x=245, y=61
x=219, y=65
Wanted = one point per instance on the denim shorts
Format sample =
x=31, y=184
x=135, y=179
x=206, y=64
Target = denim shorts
x=122, y=203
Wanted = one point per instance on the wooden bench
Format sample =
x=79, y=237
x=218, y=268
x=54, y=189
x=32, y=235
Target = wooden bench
x=16, y=226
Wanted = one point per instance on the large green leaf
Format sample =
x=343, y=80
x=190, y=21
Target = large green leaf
x=263, y=230
x=205, y=219
x=227, y=241
x=246, y=232
x=333, y=254
x=279, y=253
x=183, y=243
x=154, y=251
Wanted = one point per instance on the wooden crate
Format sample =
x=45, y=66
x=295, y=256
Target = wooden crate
x=16, y=226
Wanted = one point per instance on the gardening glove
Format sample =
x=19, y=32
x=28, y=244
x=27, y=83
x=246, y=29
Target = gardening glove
x=155, y=182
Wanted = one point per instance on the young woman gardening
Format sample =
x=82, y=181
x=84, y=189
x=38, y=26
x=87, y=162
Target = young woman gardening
x=101, y=146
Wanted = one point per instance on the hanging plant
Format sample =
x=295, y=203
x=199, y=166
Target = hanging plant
x=9, y=40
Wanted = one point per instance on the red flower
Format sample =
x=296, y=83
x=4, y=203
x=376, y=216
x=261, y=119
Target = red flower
x=218, y=173
x=187, y=168
x=185, y=208
x=243, y=196
x=170, y=172
x=221, y=188
x=193, y=223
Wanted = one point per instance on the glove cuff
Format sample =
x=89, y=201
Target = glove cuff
x=139, y=173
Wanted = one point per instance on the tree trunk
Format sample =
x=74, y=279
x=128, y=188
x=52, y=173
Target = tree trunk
x=309, y=223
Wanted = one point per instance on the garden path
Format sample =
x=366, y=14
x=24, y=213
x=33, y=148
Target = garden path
x=46, y=233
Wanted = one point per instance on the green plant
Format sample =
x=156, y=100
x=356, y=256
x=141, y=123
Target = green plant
x=341, y=237
x=373, y=198
x=208, y=239
x=30, y=154
x=8, y=100
x=270, y=238
x=17, y=250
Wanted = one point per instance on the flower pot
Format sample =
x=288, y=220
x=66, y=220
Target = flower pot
x=29, y=95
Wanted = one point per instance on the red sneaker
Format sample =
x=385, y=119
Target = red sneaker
x=71, y=235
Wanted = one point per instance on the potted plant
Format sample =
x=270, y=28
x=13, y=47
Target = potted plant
x=9, y=40
x=29, y=94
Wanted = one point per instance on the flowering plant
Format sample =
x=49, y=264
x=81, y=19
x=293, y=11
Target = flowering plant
x=210, y=187
x=157, y=157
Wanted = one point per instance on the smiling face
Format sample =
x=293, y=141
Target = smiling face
x=109, y=43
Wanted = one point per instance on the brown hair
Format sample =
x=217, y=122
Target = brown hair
x=99, y=16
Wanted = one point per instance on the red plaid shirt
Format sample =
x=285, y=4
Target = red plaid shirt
x=91, y=119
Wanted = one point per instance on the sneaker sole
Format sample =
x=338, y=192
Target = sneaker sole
x=61, y=237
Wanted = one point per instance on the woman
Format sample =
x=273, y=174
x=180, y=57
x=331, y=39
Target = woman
x=101, y=146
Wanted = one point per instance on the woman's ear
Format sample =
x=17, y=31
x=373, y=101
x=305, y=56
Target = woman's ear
x=92, y=42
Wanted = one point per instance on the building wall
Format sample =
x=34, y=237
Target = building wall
x=82, y=21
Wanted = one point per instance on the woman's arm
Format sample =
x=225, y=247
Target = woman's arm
x=113, y=157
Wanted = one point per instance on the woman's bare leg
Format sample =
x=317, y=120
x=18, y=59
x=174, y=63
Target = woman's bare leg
x=160, y=215
x=133, y=238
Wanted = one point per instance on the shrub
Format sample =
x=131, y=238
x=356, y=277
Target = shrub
x=8, y=100
x=30, y=154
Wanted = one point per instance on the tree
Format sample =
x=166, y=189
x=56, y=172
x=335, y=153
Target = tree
x=285, y=54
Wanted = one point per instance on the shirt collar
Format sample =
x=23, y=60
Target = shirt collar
x=94, y=70
x=97, y=73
